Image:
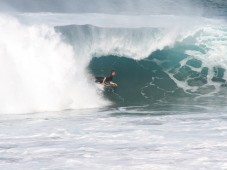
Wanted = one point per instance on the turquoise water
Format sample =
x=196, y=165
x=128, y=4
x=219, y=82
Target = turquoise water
x=188, y=69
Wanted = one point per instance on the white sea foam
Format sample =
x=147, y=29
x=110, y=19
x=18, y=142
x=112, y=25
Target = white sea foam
x=114, y=140
x=39, y=72
x=212, y=42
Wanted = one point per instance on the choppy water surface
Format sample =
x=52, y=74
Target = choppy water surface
x=123, y=138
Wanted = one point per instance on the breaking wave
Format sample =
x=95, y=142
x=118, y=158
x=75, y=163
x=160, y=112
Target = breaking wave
x=45, y=68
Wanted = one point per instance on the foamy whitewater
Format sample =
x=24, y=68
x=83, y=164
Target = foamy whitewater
x=168, y=112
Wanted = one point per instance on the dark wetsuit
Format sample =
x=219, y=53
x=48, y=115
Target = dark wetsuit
x=100, y=79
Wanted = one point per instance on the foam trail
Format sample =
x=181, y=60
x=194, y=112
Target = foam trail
x=212, y=40
x=39, y=72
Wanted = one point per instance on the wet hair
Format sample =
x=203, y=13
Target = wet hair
x=112, y=71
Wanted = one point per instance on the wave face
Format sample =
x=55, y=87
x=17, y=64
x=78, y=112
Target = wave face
x=155, y=64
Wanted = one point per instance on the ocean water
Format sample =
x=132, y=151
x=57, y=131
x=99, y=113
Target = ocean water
x=168, y=112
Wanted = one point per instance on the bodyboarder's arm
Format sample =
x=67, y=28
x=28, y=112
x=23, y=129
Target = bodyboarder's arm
x=113, y=84
x=104, y=80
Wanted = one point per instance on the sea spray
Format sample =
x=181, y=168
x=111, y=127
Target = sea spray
x=39, y=72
